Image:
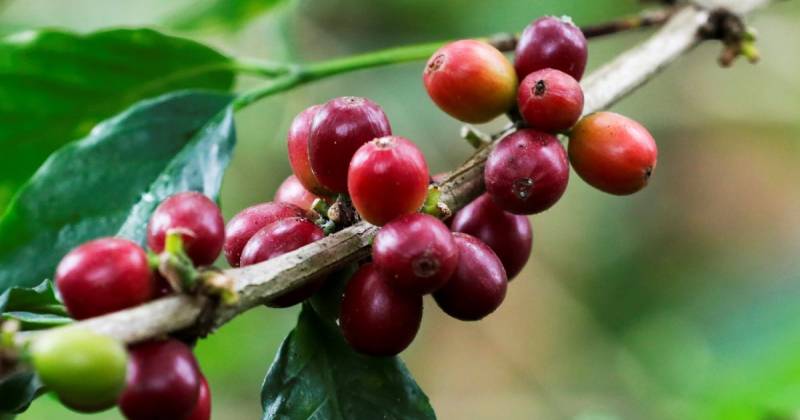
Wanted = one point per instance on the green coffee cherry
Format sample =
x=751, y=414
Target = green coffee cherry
x=84, y=369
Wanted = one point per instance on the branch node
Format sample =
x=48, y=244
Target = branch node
x=737, y=38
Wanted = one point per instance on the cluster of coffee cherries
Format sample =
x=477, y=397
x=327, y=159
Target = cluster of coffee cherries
x=155, y=379
x=528, y=170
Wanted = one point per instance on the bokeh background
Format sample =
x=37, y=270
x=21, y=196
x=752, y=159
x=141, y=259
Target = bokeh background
x=680, y=302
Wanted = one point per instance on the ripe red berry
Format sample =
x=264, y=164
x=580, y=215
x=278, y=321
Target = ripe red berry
x=292, y=191
x=249, y=221
x=613, y=153
x=509, y=235
x=527, y=172
x=102, y=276
x=202, y=409
x=163, y=381
x=470, y=80
x=388, y=178
x=276, y=239
x=478, y=286
x=550, y=100
x=297, y=144
x=377, y=319
x=551, y=42
x=199, y=221
x=416, y=253
x=339, y=128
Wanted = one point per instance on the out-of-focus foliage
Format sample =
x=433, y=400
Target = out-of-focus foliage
x=57, y=85
x=220, y=14
x=675, y=303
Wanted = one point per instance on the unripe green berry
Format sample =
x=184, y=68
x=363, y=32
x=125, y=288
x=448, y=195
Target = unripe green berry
x=84, y=369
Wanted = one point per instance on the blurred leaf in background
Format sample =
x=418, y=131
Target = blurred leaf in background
x=219, y=14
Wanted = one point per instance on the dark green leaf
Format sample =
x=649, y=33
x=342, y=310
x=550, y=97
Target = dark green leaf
x=109, y=182
x=316, y=375
x=35, y=308
x=55, y=86
x=18, y=390
x=220, y=14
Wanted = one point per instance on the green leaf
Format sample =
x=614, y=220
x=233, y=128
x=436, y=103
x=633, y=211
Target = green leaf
x=35, y=308
x=109, y=182
x=18, y=390
x=55, y=86
x=316, y=375
x=220, y=14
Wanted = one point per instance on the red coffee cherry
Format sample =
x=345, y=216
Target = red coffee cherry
x=527, y=172
x=297, y=144
x=550, y=100
x=202, y=409
x=508, y=235
x=388, y=178
x=377, y=319
x=163, y=381
x=416, y=253
x=470, y=80
x=249, y=221
x=551, y=42
x=199, y=220
x=613, y=153
x=478, y=286
x=102, y=276
x=276, y=239
x=292, y=191
x=339, y=128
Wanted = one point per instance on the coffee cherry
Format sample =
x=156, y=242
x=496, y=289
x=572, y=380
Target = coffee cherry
x=415, y=253
x=377, y=319
x=478, y=286
x=551, y=42
x=102, y=276
x=508, y=235
x=292, y=191
x=297, y=143
x=339, y=128
x=388, y=178
x=276, y=239
x=84, y=369
x=197, y=218
x=202, y=409
x=249, y=221
x=613, y=153
x=163, y=381
x=470, y=80
x=527, y=172
x=550, y=100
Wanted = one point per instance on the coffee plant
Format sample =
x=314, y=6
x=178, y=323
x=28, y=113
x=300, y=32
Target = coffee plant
x=357, y=235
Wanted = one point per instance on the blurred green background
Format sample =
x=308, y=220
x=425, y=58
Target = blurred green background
x=680, y=302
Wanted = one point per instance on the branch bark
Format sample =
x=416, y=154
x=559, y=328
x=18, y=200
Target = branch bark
x=261, y=282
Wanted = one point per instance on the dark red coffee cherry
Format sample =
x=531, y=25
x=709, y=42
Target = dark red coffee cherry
x=377, y=319
x=416, y=253
x=470, y=80
x=276, y=239
x=339, y=128
x=388, y=178
x=249, y=221
x=478, y=286
x=551, y=42
x=550, y=100
x=163, y=381
x=292, y=191
x=103, y=276
x=613, y=153
x=527, y=172
x=202, y=409
x=297, y=143
x=197, y=218
x=509, y=235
